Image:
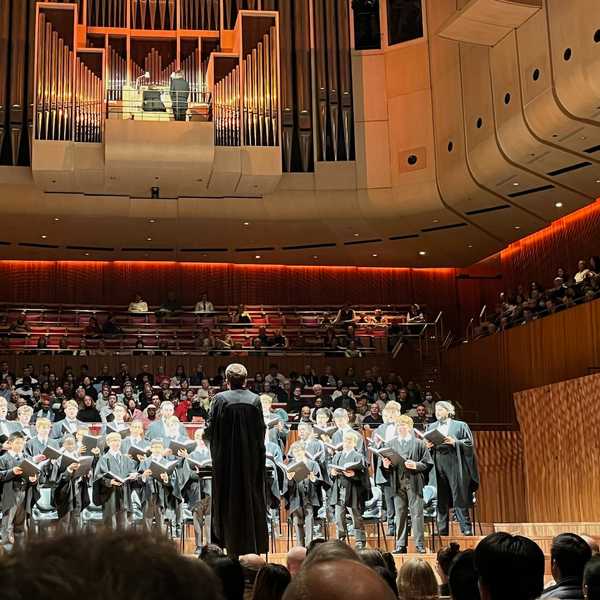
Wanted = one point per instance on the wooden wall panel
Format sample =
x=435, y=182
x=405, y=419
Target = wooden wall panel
x=502, y=491
x=561, y=449
x=484, y=374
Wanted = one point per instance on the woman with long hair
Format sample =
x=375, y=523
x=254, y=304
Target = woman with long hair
x=271, y=582
x=417, y=581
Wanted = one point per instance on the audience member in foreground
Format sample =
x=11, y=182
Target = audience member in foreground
x=120, y=566
x=330, y=580
x=295, y=558
x=462, y=578
x=230, y=573
x=591, y=579
x=332, y=550
x=271, y=583
x=509, y=566
x=569, y=554
x=417, y=581
x=445, y=556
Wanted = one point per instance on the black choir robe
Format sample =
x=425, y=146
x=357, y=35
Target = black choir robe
x=12, y=486
x=352, y=492
x=71, y=491
x=417, y=451
x=306, y=493
x=236, y=435
x=113, y=498
x=466, y=476
x=195, y=487
x=35, y=446
x=167, y=494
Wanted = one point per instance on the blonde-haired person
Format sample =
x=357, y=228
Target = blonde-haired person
x=417, y=581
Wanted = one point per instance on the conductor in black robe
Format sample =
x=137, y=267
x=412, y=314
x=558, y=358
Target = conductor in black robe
x=456, y=472
x=236, y=434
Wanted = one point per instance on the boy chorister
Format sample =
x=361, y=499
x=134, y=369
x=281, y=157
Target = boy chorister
x=197, y=490
x=156, y=493
x=71, y=493
x=136, y=439
x=303, y=497
x=18, y=492
x=23, y=424
x=35, y=446
x=407, y=480
x=342, y=422
x=350, y=489
x=113, y=476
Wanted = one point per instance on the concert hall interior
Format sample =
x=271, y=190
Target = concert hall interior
x=286, y=284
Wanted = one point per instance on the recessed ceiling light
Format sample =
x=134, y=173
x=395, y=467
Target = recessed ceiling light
x=315, y=257
x=583, y=137
x=469, y=245
x=57, y=219
x=515, y=183
x=375, y=255
x=148, y=239
x=517, y=227
x=436, y=220
x=422, y=253
x=257, y=256
x=246, y=223
x=87, y=253
x=597, y=180
x=356, y=234
x=151, y=220
x=44, y=236
x=559, y=205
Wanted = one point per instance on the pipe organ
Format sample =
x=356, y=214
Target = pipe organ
x=291, y=85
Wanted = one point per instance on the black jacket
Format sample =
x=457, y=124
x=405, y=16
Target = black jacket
x=569, y=588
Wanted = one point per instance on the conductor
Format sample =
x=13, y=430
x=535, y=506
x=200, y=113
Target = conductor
x=236, y=434
x=180, y=91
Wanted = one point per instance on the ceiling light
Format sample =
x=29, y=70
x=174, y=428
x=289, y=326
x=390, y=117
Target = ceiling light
x=469, y=245
x=436, y=220
x=257, y=256
x=246, y=223
x=559, y=205
x=87, y=253
x=375, y=255
x=356, y=234
x=315, y=257
x=57, y=219
x=151, y=220
x=515, y=183
x=517, y=227
x=44, y=236
x=597, y=180
x=148, y=239
x=422, y=253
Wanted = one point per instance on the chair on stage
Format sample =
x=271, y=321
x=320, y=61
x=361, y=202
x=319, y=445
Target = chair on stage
x=475, y=519
x=430, y=515
x=43, y=514
x=375, y=515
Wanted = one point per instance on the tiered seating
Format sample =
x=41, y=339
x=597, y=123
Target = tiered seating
x=304, y=327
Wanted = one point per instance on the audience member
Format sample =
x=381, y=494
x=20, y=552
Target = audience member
x=138, y=305
x=445, y=556
x=329, y=579
x=294, y=559
x=591, y=579
x=417, y=581
x=509, y=566
x=569, y=555
x=271, y=583
x=204, y=305
x=127, y=564
x=462, y=579
x=229, y=572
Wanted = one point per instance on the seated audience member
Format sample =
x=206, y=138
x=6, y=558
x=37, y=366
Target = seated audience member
x=417, y=581
x=251, y=565
x=92, y=329
x=592, y=542
x=569, y=555
x=445, y=556
x=345, y=315
x=591, y=579
x=294, y=559
x=110, y=327
x=241, y=315
x=20, y=325
x=325, y=579
x=138, y=305
x=271, y=583
x=583, y=272
x=204, y=305
x=88, y=412
x=509, y=566
x=105, y=565
x=373, y=417
x=462, y=578
x=170, y=306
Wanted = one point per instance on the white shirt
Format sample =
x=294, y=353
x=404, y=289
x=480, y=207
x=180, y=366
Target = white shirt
x=581, y=275
x=204, y=306
x=444, y=427
x=141, y=306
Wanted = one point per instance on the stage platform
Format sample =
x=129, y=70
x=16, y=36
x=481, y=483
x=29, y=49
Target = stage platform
x=541, y=533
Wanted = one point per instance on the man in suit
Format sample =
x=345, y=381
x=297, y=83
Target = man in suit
x=455, y=468
x=236, y=434
x=180, y=91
